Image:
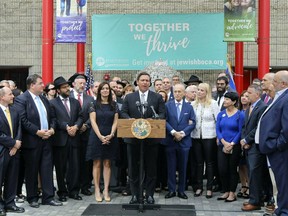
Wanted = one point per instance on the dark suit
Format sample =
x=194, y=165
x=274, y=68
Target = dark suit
x=171, y=96
x=129, y=110
x=9, y=165
x=85, y=166
x=37, y=153
x=177, y=152
x=273, y=141
x=66, y=149
x=255, y=160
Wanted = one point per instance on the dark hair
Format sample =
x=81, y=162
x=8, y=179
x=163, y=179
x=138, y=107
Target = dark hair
x=142, y=74
x=166, y=95
x=223, y=78
x=232, y=95
x=46, y=89
x=110, y=100
x=240, y=105
x=32, y=79
x=156, y=81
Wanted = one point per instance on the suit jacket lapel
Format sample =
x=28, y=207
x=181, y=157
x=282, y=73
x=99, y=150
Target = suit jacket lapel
x=63, y=107
x=275, y=102
x=182, y=110
x=3, y=116
x=32, y=102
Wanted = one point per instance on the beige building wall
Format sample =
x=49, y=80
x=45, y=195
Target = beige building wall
x=21, y=33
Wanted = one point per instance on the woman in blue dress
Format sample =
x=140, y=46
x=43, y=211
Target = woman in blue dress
x=228, y=129
x=102, y=145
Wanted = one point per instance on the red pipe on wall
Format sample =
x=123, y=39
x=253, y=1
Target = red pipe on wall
x=238, y=78
x=80, y=58
x=47, y=41
x=264, y=38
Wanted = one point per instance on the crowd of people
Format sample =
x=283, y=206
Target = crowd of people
x=217, y=135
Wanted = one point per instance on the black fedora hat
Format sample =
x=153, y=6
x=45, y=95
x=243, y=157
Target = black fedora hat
x=193, y=79
x=121, y=83
x=74, y=76
x=60, y=81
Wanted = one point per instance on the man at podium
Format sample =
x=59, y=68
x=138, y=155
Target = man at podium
x=143, y=104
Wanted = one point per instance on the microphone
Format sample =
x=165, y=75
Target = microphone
x=138, y=106
x=145, y=106
x=156, y=116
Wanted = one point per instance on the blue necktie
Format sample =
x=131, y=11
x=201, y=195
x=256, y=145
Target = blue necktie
x=42, y=114
x=178, y=110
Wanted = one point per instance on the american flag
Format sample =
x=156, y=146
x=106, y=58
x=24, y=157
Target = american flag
x=90, y=80
x=230, y=76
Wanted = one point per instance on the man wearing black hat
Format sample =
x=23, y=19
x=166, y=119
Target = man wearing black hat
x=38, y=125
x=68, y=114
x=193, y=80
x=79, y=83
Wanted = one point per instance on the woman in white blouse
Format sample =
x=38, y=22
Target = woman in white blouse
x=204, y=145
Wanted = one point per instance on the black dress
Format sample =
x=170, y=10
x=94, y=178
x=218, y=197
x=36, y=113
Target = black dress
x=104, y=119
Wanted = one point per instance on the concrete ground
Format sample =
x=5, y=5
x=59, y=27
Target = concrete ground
x=203, y=206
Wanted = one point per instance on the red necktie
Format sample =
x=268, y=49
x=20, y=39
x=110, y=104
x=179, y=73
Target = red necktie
x=266, y=99
x=79, y=99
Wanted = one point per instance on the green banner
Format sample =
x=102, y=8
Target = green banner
x=239, y=20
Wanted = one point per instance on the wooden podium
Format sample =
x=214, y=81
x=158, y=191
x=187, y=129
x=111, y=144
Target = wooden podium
x=158, y=128
x=126, y=129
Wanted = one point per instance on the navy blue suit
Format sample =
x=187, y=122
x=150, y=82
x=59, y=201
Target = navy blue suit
x=171, y=96
x=37, y=153
x=255, y=160
x=9, y=165
x=177, y=152
x=129, y=110
x=273, y=141
x=65, y=147
x=85, y=166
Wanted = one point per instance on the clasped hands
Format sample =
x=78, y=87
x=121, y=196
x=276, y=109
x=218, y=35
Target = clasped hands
x=178, y=136
x=45, y=134
x=71, y=130
x=227, y=146
x=106, y=139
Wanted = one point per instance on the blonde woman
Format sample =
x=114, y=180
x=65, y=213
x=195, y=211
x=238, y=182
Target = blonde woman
x=204, y=145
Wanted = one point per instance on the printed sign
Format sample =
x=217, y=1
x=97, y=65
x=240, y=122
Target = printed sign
x=71, y=21
x=183, y=41
x=239, y=20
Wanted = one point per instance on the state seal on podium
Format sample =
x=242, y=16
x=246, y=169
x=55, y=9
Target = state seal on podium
x=141, y=128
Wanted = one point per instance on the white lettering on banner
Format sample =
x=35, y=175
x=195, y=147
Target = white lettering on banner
x=149, y=27
x=75, y=26
x=200, y=62
x=239, y=24
x=154, y=44
x=178, y=62
x=139, y=36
